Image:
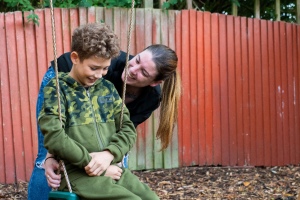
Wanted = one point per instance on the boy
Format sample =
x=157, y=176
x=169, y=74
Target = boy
x=90, y=112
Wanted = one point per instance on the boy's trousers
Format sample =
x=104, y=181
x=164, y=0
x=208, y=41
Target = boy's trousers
x=129, y=187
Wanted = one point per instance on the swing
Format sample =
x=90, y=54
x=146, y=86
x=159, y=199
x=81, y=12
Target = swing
x=61, y=195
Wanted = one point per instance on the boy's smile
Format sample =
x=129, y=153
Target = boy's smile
x=88, y=71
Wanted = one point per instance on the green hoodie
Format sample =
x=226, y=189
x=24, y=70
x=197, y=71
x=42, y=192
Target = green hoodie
x=90, y=122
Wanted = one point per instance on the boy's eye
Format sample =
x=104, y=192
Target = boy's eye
x=93, y=68
x=105, y=68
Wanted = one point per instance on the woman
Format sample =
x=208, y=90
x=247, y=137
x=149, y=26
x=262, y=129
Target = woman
x=156, y=64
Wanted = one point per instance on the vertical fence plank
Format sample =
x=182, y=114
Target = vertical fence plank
x=140, y=45
x=83, y=19
x=245, y=89
x=265, y=93
x=291, y=94
x=200, y=89
x=12, y=52
x=224, y=90
x=124, y=27
x=116, y=23
x=108, y=16
x=239, y=91
x=167, y=156
x=156, y=39
x=272, y=94
x=279, y=127
x=148, y=32
x=193, y=87
x=7, y=109
x=74, y=23
x=99, y=14
x=48, y=36
x=66, y=32
x=178, y=49
x=216, y=104
x=231, y=91
x=284, y=91
x=132, y=43
x=33, y=55
x=297, y=90
x=91, y=14
x=208, y=87
x=252, y=92
x=3, y=103
x=258, y=94
x=186, y=98
x=41, y=62
x=41, y=46
x=27, y=153
x=58, y=32
x=171, y=43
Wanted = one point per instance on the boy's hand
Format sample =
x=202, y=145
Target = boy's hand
x=114, y=172
x=50, y=165
x=99, y=163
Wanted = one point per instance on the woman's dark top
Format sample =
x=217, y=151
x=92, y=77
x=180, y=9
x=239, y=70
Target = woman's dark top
x=141, y=108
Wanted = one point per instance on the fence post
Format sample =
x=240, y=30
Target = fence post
x=234, y=9
x=277, y=10
x=189, y=4
x=257, y=9
x=148, y=3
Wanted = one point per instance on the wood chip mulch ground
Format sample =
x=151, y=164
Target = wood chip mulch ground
x=278, y=183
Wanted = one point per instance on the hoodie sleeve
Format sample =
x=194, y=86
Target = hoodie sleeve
x=125, y=137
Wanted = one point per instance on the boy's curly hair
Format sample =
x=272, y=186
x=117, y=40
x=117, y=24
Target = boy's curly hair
x=95, y=39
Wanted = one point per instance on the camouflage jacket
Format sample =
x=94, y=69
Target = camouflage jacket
x=90, y=121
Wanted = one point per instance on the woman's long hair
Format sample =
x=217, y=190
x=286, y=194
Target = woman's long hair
x=166, y=61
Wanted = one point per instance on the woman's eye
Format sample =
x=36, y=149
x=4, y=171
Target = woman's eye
x=144, y=73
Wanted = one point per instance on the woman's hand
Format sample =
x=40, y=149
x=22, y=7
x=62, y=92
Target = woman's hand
x=114, y=172
x=99, y=163
x=51, y=165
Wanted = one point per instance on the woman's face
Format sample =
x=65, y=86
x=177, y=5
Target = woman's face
x=141, y=71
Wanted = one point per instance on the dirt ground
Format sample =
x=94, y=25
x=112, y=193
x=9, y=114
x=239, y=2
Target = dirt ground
x=278, y=183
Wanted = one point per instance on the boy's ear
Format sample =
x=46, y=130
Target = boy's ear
x=155, y=83
x=74, y=57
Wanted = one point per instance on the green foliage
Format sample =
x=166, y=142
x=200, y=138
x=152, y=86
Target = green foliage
x=13, y=5
x=33, y=18
x=29, y=5
x=245, y=7
x=174, y=4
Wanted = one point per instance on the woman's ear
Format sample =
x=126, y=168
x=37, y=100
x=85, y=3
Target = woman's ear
x=74, y=57
x=155, y=83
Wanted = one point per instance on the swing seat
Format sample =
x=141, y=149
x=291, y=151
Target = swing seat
x=60, y=195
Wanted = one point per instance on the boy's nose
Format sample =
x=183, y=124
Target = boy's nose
x=98, y=75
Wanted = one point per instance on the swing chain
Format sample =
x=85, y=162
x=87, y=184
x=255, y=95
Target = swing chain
x=61, y=162
x=127, y=63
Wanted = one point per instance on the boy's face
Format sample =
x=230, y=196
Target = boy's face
x=141, y=70
x=88, y=71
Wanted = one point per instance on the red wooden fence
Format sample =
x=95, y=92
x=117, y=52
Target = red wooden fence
x=240, y=86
